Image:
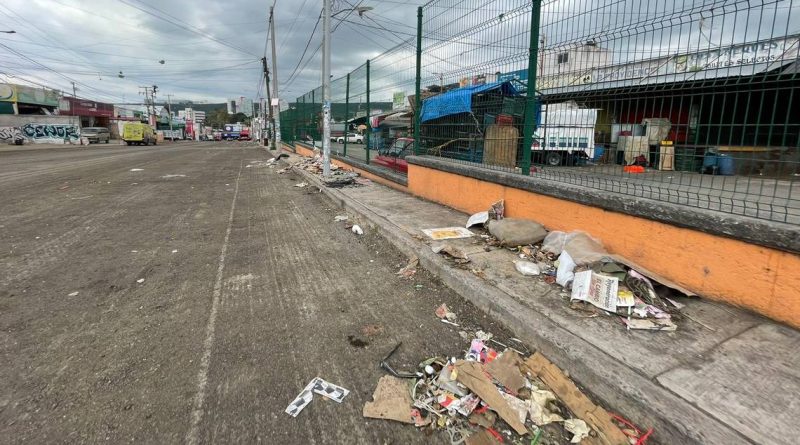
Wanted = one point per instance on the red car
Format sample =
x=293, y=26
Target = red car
x=395, y=156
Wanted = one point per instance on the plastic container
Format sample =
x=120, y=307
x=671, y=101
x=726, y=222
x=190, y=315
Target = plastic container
x=599, y=151
x=725, y=165
x=710, y=163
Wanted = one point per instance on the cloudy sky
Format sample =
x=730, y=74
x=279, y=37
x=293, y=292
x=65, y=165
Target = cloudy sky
x=211, y=49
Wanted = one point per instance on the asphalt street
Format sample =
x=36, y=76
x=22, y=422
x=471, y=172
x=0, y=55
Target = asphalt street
x=185, y=294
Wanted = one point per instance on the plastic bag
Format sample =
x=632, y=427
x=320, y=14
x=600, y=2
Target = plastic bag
x=527, y=268
x=565, y=272
x=582, y=248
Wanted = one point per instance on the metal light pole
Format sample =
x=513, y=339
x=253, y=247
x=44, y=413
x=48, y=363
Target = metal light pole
x=326, y=82
x=276, y=131
x=326, y=89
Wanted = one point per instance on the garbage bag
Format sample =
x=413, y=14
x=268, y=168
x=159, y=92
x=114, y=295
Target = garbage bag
x=517, y=232
x=581, y=246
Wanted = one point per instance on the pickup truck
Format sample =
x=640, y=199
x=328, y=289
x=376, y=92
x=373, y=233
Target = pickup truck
x=351, y=137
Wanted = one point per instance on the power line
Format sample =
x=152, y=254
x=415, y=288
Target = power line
x=310, y=38
x=183, y=25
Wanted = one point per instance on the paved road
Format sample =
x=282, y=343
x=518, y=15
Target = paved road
x=249, y=291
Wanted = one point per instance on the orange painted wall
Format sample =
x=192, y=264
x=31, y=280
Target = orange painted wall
x=764, y=280
x=371, y=176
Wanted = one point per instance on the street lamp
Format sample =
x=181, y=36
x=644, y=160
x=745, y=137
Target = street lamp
x=326, y=80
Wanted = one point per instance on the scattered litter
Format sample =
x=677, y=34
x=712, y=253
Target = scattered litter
x=488, y=398
x=448, y=233
x=479, y=218
x=73, y=294
x=527, y=268
x=82, y=197
x=363, y=181
x=517, y=232
x=497, y=211
x=409, y=269
x=300, y=184
x=140, y=280
x=388, y=368
x=134, y=251
x=391, y=401
x=649, y=324
x=340, y=179
x=446, y=321
x=485, y=336
x=340, y=218
x=174, y=250
x=357, y=230
x=600, y=290
x=137, y=169
x=451, y=250
x=582, y=248
x=564, y=272
x=578, y=428
x=444, y=312
x=173, y=176
x=318, y=386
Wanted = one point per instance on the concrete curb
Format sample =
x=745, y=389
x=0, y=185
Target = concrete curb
x=650, y=405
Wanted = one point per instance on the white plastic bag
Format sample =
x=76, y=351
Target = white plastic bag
x=527, y=268
x=565, y=272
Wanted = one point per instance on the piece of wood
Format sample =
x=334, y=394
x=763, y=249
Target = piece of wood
x=505, y=369
x=471, y=375
x=391, y=401
x=598, y=418
x=500, y=146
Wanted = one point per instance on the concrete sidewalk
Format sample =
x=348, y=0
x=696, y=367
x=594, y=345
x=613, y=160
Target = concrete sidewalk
x=726, y=376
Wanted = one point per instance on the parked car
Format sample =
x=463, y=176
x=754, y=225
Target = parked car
x=96, y=134
x=394, y=157
x=351, y=137
x=138, y=133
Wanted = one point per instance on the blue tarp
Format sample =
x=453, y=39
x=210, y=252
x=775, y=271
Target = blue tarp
x=460, y=100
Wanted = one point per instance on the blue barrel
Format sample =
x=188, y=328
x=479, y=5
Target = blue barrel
x=599, y=151
x=709, y=160
x=725, y=165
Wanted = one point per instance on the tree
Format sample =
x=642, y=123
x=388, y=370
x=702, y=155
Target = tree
x=217, y=118
x=238, y=117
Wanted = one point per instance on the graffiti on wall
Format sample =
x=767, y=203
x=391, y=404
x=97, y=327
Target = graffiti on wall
x=11, y=134
x=41, y=134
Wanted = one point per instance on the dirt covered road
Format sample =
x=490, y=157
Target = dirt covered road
x=173, y=294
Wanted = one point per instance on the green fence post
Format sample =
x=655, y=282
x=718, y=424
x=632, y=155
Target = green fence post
x=417, y=102
x=530, y=103
x=369, y=107
x=303, y=115
x=346, y=111
x=313, y=109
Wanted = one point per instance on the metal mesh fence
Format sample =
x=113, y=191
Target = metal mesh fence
x=475, y=57
x=689, y=102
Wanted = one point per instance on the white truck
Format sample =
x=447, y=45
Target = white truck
x=564, y=131
x=351, y=137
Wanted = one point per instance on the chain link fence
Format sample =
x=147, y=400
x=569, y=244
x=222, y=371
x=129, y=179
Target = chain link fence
x=690, y=102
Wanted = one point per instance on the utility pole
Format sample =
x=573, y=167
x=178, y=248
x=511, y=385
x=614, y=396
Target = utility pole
x=169, y=103
x=269, y=96
x=147, y=100
x=326, y=89
x=74, y=90
x=276, y=131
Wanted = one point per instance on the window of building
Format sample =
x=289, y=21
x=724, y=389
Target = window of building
x=563, y=58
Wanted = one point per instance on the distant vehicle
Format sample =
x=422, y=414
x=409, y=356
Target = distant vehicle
x=138, y=133
x=395, y=156
x=96, y=134
x=231, y=132
x=244, y=135
x=351, y=137
x=217, y=136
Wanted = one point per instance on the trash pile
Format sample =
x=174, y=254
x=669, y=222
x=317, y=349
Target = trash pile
x=338, y=178
x=598, y=281
x=490, y=397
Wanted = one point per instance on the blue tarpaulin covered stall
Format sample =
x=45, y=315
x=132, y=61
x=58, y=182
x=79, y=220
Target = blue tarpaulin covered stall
x=460, y=100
